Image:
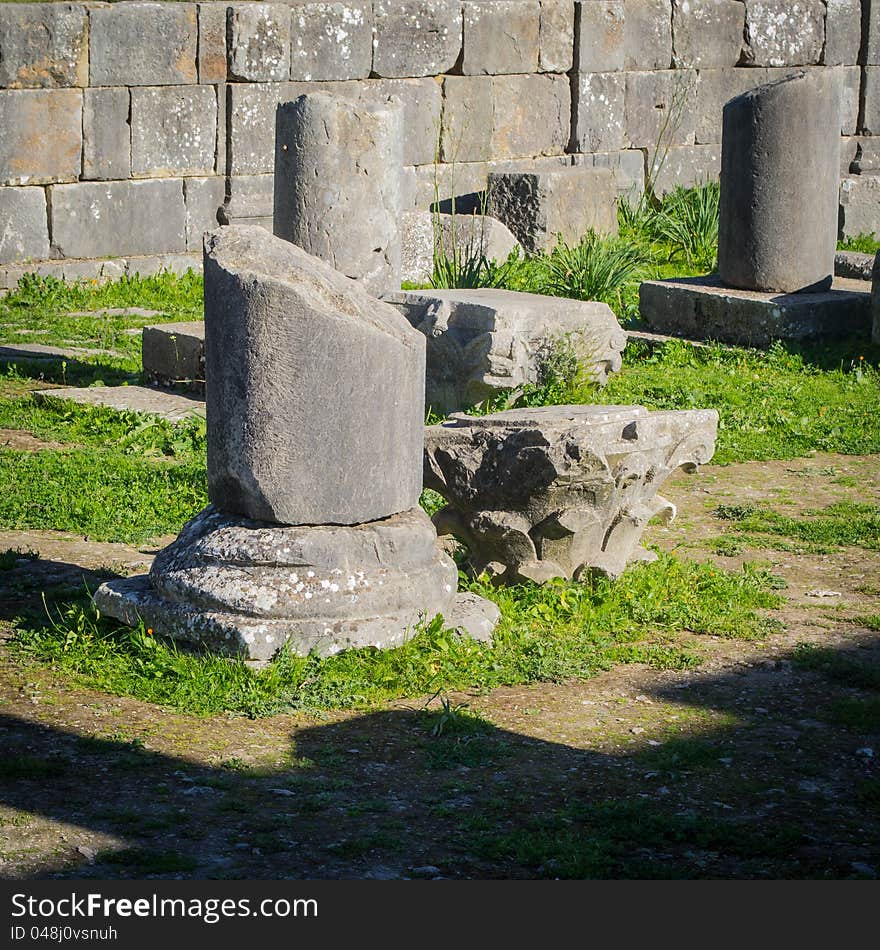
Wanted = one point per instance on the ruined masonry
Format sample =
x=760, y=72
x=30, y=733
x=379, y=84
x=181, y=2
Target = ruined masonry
x=560, y=491
x=99, y=122
x=314, y=536
x=777, y=227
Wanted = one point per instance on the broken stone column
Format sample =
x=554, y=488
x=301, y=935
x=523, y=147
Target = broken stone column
x=560, y=491
x=314, y=538
x=780, y=168
x=338, y=170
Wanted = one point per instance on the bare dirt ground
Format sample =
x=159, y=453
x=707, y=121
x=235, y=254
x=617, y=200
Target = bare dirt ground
x=738, y=768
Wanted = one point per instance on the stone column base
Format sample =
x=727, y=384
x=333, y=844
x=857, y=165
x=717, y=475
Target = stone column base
x=244, y=588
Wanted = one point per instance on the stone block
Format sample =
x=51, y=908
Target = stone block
x=24, y=232
x=870, y=124
x=843, y=32
x=465, y=235
x=203, y=198
x=684, y=167
x=442, y=187
x=779, y=172
x=647, y=34
x=258, y=35
x=282, y=329
x=212, y=57
x=701, y=308
x=875, y=301
x=106, y=133
x=560, y=491
x=250, y=200
x=715, y=88
x=173, y=131
x=869, y=53
x=483, y=342
x=542, y=208
x=146, y=44
x=110, y=218
x=500, y=37
x=468, y=119
x=556, y=36
x=331, y=41
x=414, y=38
x=421, y=100
x=41, y=139
x=864, y=155
x=599, y=36
x=707, y=33
x=337, y=184
x=43, y=45
x=782, y=33
x=627, y=168
x=853, y=265
x=174, y=353
x=859, y=206
x=599, y=111
x=658, y=114
x=531, y=115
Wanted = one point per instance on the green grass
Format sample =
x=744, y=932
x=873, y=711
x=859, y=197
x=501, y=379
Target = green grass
x=819, y=531
x=863, y=243
x=842, y=668
x=547, y=633
x=859, y=715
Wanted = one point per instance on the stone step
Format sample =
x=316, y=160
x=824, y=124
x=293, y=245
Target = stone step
x=38, y=353
x=153, y=400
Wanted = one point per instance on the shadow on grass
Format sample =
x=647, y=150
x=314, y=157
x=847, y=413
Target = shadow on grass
x=744, y=774
x=69, y=371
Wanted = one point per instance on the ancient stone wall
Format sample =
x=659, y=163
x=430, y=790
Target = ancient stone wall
x=125, y=126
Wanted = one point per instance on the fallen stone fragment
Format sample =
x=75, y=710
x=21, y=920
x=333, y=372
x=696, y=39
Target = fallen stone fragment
x=560, y=491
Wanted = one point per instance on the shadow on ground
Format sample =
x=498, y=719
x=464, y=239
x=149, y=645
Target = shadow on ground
x=763, y=771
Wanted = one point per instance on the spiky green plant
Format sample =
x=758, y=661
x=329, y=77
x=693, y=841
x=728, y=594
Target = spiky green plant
x=688, y=222
x=598, y=268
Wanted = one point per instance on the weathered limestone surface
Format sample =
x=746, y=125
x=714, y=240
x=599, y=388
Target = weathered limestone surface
x=43, y=45
x=40, y=135
x=715, y=88
x=212, y=58
x=250, y=200
x=203, y=197
x=532, y=115
x=259, y=42
x=658, y=110
x=421, y=102
x=244, y=588
x=560, y=491
x=779, y=193
x=707, y=33
x=173, y=131
x=599, y=111
x=483, y=341
x=556, y=36
x=870, y=49
x=314, y=388
x=500, y=36
x=702, y=308
x=599, y=36
x=415, y=37
x=337, y=185
x=468, y=235
x=106, y=133
x=854, y=265
x=143, y=44
x=684, y=167
x=648, y=34
x=870, y=125
x=860, y=205
x=843, y=32
x=331, y=41
x=99, y=270
x=784, y=33
x=109, y=218
x=541, y=208
x=24, y=231
x=175, y=353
